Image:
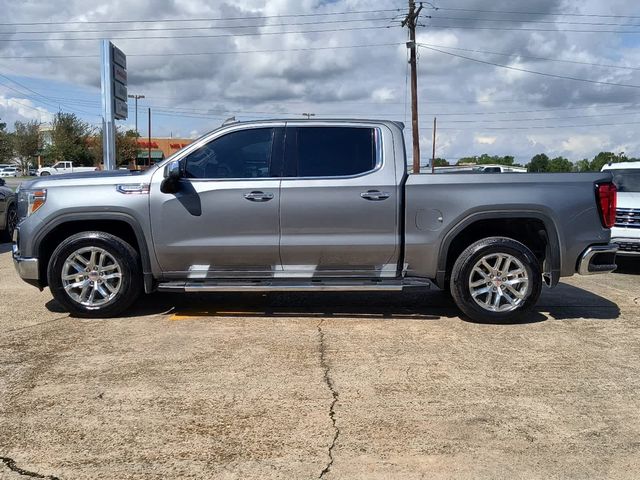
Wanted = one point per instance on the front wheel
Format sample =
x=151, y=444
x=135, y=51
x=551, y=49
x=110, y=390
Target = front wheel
x=95, y=274
x=44, y=174
x=496, y=279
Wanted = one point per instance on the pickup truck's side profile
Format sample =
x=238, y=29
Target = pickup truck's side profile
x=60, y=168
x=310, y=205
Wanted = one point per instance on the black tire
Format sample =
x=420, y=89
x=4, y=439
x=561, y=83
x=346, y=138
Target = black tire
x=463, y=273
x=124, y=254
x=11, y=222
x=44, y=174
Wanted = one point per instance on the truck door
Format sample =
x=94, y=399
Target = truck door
x=339, y=202
x=223, y=221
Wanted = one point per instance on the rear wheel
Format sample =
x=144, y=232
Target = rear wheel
x=496, y=279
x=95, y=274
x=44, y=174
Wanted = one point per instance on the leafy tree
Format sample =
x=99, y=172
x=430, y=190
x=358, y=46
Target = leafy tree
x=440, y=162
x=560, y=164
x=539, y=164
x=604, y=158
x=69, y=140
x=126, y=147
x=486, y=159
x=583, y=165
x=26, y=143
x=6, y=144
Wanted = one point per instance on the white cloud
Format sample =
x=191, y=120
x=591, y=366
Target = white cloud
x=485, y=140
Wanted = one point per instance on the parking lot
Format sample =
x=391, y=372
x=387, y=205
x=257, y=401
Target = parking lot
x=351, y=386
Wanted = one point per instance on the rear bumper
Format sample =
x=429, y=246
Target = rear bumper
x=628, y=246
x=598, y=259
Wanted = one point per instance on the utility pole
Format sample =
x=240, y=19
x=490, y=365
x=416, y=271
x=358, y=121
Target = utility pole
x=410, y=22
x=149, y=143
x=433, y=156
x=308, y=115
x=136, y=97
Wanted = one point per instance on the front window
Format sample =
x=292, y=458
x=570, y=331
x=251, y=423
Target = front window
x=627, y=179
x=240, y=154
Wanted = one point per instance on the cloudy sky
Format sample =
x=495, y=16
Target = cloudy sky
x=199, y=62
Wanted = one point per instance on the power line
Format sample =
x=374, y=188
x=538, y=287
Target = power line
x=541, y=127
x=210, y=27
x=519, y=20
x=552, y=75
x=554, y=14
x=576, y=62
x=208, y=19
x=183, y=54
x=515, y=29
x=256, y=34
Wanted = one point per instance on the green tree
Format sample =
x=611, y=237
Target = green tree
x=583, y=165
x=539, y=164
x=26, y=143
x=6, y=144
x=560, y=164
x=440, y=162
x=126, y=147
x=486, y=159
x=70, y=140
x=604, y=158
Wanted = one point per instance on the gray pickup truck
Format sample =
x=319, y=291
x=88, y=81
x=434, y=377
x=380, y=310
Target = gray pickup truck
x=310, y=206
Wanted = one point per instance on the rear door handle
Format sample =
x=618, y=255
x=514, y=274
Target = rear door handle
x=375, y=195
x=258, y=196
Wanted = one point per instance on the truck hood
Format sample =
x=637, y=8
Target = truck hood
x=88, y=178
x=629, y=200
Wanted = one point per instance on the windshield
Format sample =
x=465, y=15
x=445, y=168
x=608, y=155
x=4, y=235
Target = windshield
x=627, y=180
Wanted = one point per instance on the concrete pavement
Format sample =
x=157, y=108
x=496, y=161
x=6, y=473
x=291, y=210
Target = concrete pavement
x=336, y=386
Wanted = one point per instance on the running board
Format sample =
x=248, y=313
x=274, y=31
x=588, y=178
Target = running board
x=377, y=285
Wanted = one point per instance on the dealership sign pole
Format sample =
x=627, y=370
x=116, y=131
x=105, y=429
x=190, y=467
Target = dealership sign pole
x=113, y=76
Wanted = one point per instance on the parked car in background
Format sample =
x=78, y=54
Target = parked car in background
x=8, y=212
x=10, y=172
x=310, y=206
x=626, y=232
x=32, y=172
x=63, y=167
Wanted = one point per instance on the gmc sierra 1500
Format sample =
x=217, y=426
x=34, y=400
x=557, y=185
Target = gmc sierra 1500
x=304, y=206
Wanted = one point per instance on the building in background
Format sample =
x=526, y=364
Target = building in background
x=156, y=150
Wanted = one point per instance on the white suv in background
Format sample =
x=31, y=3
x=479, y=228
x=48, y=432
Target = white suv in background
x=626, y=232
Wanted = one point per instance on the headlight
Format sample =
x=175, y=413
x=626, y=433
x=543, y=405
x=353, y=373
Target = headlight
x=30, y=201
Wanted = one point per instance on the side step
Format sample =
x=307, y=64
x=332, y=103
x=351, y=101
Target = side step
x=272, y=285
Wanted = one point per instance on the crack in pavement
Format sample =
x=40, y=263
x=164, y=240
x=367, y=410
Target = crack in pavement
x=330, y=385
x=11, y=465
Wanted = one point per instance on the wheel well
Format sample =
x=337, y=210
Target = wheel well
x=531, y=232
x=55, y=237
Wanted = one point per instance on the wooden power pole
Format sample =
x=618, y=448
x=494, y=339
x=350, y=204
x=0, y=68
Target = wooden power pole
x=410, y=22
x=433, y=155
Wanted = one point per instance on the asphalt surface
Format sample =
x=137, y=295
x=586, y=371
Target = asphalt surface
x=305, y=386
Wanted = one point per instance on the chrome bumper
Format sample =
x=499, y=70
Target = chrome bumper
x=628, y=246
x=27, y=268
x=598, y=259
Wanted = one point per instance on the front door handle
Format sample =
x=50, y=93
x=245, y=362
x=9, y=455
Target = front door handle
x=375, y=195
x=258, y=196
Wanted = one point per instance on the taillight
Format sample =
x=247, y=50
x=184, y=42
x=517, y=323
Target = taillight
x=607, y=195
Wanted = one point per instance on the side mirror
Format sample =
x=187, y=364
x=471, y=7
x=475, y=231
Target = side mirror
x=171, y=180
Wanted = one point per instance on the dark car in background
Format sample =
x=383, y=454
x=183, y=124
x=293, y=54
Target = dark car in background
x=8, y=212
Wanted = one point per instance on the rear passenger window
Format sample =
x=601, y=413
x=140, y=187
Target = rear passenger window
x=335, y=151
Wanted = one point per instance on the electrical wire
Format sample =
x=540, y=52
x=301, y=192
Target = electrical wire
x=552, y=75
x=171, y=37
x=575, y=62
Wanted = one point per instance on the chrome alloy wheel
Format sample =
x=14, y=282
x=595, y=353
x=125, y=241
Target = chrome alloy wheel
x=91, y=276
x=499, y=282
